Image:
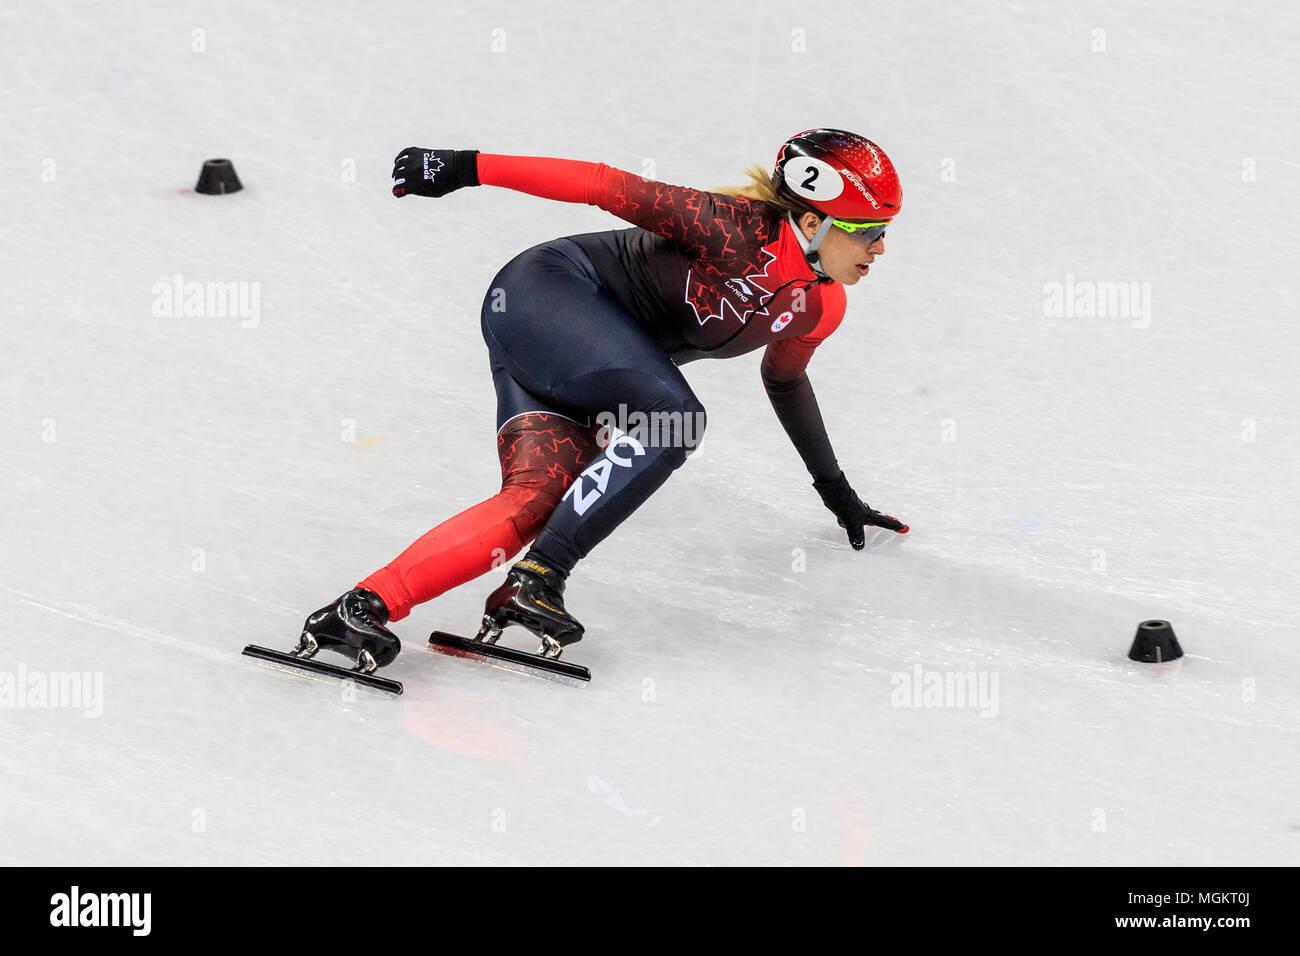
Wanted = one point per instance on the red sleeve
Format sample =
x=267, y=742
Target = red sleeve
x=696, y=220
x=787, y=359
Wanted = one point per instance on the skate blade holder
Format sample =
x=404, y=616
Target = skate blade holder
x=484, y=647
x=301, y=660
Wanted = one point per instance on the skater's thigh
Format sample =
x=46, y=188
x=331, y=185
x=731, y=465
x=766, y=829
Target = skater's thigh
x=513, y=400
x=562, y=338
x=619, y=391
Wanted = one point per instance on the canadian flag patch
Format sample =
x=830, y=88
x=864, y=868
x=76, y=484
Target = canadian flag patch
x=781, y=321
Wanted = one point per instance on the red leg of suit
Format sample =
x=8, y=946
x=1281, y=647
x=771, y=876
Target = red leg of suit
x=540, y=457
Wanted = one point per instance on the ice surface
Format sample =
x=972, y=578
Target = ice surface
x=173, y=488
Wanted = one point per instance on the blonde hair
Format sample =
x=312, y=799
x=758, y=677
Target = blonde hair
x=762, y=188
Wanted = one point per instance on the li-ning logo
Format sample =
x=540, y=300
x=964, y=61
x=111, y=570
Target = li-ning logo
x=102, y=909
x=708, y=300
x=782, y=321
x=431, y=171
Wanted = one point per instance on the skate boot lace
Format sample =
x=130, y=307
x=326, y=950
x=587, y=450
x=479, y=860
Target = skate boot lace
x=361, y=608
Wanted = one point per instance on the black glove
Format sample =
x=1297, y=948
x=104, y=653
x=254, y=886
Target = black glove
x=433, y=172
x=853, y=512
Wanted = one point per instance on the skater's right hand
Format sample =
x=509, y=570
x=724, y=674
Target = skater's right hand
x=421, y=171
x=854, y=513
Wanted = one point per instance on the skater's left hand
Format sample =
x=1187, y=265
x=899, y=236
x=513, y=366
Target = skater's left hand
x=854, y=513
x=420, y=171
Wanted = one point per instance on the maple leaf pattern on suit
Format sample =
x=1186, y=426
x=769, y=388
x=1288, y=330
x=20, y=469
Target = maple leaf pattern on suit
x=543, y=450
x=727, y=237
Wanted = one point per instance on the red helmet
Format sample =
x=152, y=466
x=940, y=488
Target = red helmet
x=840, y=174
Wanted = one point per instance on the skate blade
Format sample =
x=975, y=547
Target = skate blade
x=307, y=667
x=507, y=658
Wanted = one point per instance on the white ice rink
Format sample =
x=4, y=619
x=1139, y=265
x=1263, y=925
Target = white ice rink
x=174, y=487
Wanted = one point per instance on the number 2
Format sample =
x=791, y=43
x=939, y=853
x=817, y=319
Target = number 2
x=812, y=175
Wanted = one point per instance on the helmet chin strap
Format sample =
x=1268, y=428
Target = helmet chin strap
x=810, y=246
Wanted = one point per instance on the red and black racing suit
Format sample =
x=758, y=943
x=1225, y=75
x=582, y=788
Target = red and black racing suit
x=600, y=322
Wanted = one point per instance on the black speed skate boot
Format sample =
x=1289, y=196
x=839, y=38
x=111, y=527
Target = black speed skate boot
x=532, y=597
x=354, y=626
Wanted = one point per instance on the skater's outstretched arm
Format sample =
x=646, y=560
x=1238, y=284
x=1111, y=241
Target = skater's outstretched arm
x=704, y=224
x=785, y=376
